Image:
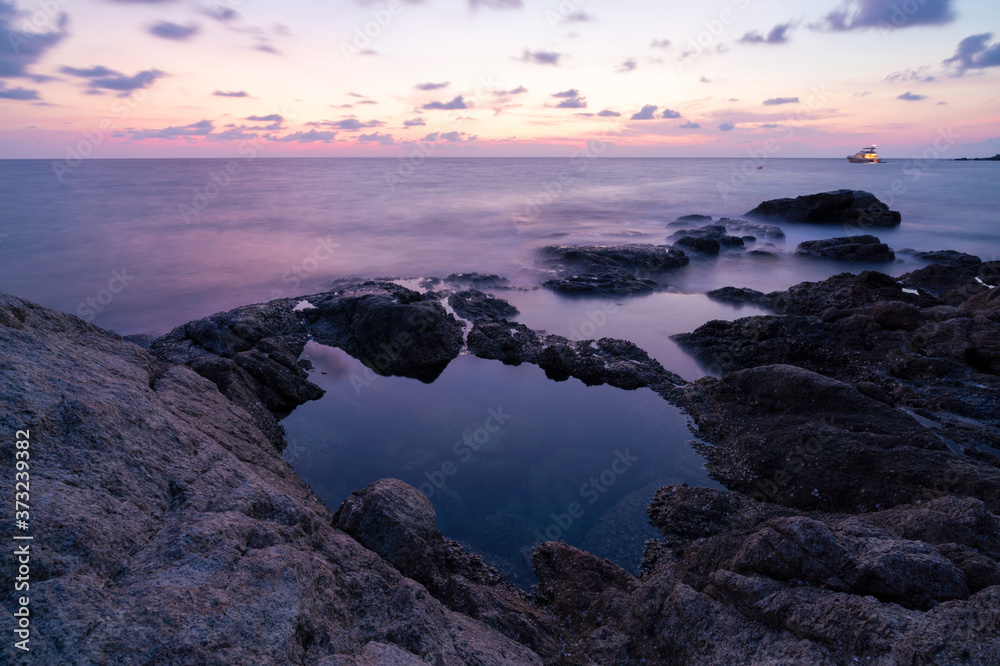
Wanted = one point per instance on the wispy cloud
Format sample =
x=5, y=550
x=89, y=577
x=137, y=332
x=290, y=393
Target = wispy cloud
x=777, y=35
x=628, y=66
x=608, y=113
x=351, y=124
x=431, y=86
x=457, y=103
x=727, y=126
x=570, y=99
x=887, y=14
x=173, y=31
x=272, y=118
x=670, y=113
x=454, y=137
x=690, y=125
x=647, y=112
x=775, y=101
x=103, y=78
x=414, y=122
x=496, y=4
x=660, y=44
x=911, y=97
x=377, y=137
x=312, y=136
x=18, y=93
x=231, y=93
x=541, y=57
x=200, y=128
x=974, y=52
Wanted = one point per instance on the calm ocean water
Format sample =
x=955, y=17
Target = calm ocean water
x=145, y=245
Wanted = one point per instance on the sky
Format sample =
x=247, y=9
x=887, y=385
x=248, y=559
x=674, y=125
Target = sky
x=432, y=78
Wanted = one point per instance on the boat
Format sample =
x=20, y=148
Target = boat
x=864, y=156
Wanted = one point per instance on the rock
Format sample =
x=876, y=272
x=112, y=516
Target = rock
x=391, y=329
x=396, y=521
x=844, y=291
x=473, y=305
x=743, y=227
x=609, y=269
x=174, y=533
x=687, y=219
x=844, y=207
x=605, y=284
x=740, y=296
x=949, y=258
x=478, y=280
x=950, y=284
x=706, y=240
x=848, y=248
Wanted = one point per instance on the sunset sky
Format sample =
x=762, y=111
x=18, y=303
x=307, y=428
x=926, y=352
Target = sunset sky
x=179, y=78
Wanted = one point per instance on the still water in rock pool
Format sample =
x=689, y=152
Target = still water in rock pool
x=507, y=457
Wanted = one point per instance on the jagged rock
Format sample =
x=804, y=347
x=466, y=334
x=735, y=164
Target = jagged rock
x=174, y=533
x=743, y=227
x=604, y=284
x=391, y=329
x=740, y=296
x=478, y=280
x=474, y=305
x=845, y=207
x=710, y=239
x=687, y=219
x=847, y=248
x=609, y=269
x=949, y=258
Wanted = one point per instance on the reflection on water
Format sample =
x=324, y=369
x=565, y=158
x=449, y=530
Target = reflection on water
x=506, y=456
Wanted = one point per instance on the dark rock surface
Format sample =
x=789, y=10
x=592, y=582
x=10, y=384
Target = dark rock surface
x=847, y=248
x=740, y=296
x=854, y=208
x=709, y=239
x=609, y=269
x=473, y=305
x=167, y=529
x=688, y=219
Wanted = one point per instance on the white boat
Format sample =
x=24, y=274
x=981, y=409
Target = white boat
x=864, y=156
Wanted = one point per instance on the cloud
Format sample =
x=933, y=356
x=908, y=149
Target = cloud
x=457, y=103
x=771, y=125
x=17, y=93
x=863, y=93
x=775, y=101
x=670, y=113
x=20, y=49
x=431, y=86
x=454, y=137
x=690, y=125
x=887, y=14
x=922, y=74
x=231, y=93
x=628, y=66
x=312, y=136
x=142, y=2
x=705, y=79
x=541, y=57
x=102, y=78
x=727, y=126
x=520, y=90
x=273, y=118
x=221, y=14
x=777, y=35
x=495, y=4
x=174, y=31
x=570, y=99
x=578, y=17
x=648, y=112
x=911, y=97
x=608, y=113
x=377, y=137
x=267, y=48
x=351, y=124
x=660, y=44
x=974, y=53
x=415, y=122
x=200, y=128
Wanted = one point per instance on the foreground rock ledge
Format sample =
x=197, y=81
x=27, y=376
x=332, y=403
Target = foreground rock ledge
x=170, y=531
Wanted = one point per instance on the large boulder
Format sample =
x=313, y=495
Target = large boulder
x=847, y=248
x=609, y=269
x=854, y=208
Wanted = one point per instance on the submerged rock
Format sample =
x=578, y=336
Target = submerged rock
x=847, y=248
x=845, y=207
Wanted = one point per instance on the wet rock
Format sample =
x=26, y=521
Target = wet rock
x=710, y=239
x=605, y=284
x=473, y=305
x=478, y=280
x=743, y=227
x=391, y=329
x=844, y=291
x=844, y=207
x=396, y=521
x=609, y=269
x=950, y=284
x=847, y=248
x=688, y=219
x=740, y=296
x=176, y=534
x=949, y=258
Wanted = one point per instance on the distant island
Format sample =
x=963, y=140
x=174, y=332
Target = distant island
x=995, y=158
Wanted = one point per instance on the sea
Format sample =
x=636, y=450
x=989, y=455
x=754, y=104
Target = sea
x=507, y=457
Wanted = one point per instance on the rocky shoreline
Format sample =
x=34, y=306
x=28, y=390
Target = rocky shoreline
x=856, y=430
